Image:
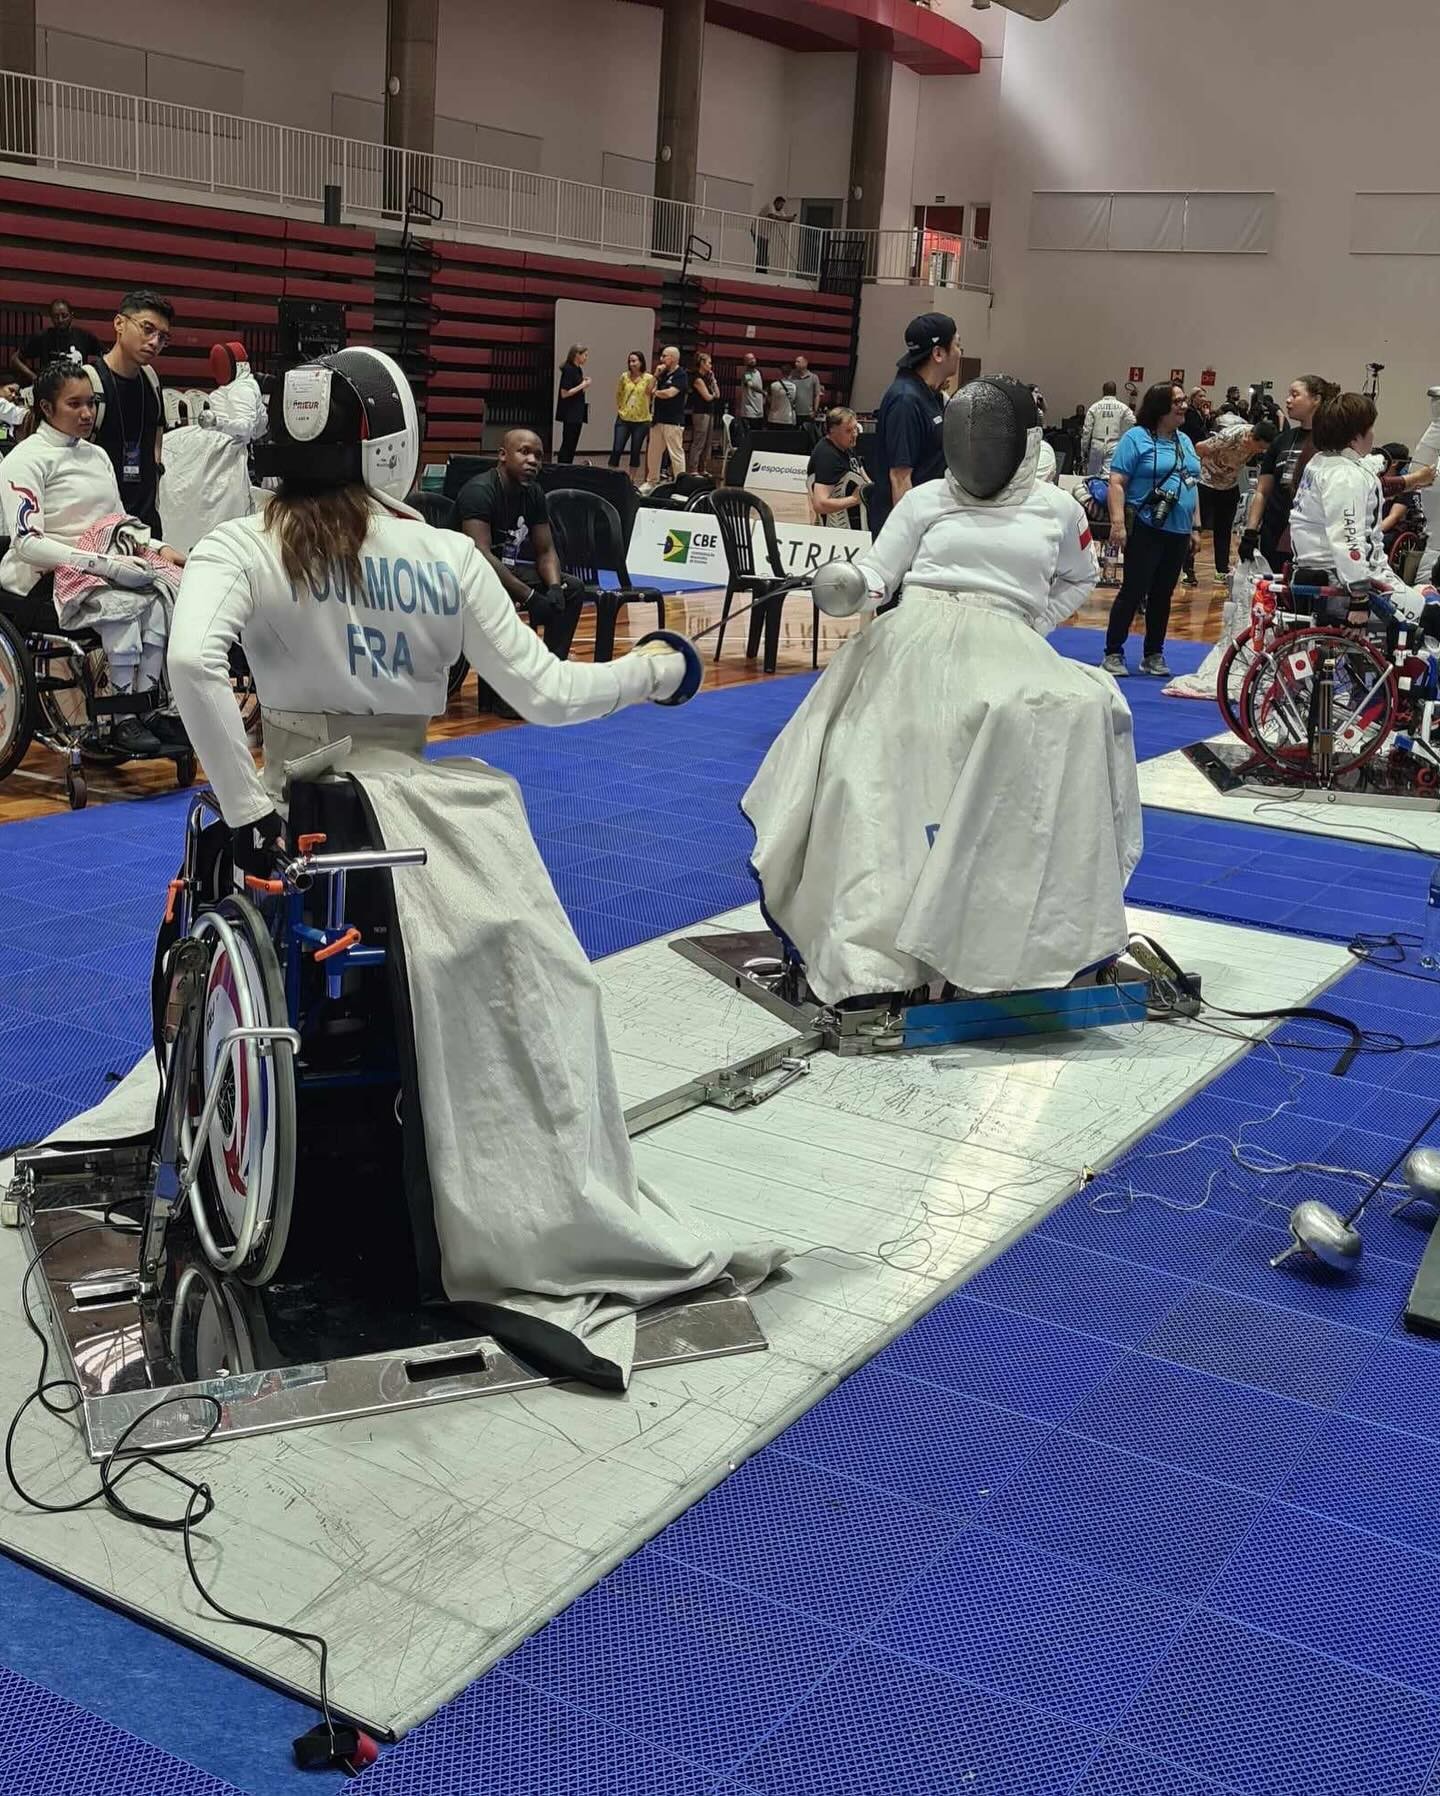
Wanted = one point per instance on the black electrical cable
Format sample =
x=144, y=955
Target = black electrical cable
x=200, y=1501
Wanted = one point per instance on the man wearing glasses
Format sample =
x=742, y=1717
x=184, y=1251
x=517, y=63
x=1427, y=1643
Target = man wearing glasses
x=132, y=415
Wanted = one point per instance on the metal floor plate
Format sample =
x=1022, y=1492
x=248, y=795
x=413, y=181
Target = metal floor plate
x=315, y=1350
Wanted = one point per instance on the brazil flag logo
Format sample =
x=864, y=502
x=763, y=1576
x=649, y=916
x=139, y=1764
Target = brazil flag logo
x=677, y=545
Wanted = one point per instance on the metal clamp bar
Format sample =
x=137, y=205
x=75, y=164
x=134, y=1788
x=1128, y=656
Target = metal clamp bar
x=277, y=1035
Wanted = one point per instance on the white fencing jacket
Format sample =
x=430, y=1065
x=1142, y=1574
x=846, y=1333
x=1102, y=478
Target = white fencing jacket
x=53, y=487
x=207, y=472
x=1034, y=555
x=1335, y=523
x=1105, y=423
x=379, y=649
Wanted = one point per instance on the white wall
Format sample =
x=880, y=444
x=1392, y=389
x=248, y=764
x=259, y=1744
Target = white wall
x=292, y=56
x=822, y=96
x=884, y=313
x=1071, y=320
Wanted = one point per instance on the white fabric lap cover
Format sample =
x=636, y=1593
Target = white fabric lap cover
x=538, y=1207
x=952, y=799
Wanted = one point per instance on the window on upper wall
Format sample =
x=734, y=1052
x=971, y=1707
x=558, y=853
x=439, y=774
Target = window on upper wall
x=980, y=223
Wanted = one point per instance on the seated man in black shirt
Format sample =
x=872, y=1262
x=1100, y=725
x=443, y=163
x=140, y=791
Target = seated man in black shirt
x=833, y=475
x=63, y=338
x=505, y=516
x=131, y=416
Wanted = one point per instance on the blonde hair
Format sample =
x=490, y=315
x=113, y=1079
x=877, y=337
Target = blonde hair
x=319, y=530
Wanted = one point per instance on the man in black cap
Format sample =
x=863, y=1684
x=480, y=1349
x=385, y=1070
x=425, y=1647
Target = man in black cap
x=908, y=449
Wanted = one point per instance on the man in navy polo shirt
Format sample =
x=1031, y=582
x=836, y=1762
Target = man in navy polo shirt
x=907, y=428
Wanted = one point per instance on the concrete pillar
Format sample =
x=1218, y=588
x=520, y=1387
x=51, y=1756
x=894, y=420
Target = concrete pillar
x=677, y=123
x=869, y=136
x=17, y=98
x=412, y=27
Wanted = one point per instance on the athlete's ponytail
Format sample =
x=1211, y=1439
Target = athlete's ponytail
x=50, y=382
x=1340, y=418
x=1319, y=388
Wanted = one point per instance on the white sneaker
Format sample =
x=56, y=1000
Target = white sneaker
x=1156, y=666
x=1115, y=664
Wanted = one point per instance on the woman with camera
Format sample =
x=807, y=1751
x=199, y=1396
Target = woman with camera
x=1154, y=487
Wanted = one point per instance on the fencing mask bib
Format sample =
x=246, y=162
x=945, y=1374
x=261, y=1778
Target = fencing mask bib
x=986, y=433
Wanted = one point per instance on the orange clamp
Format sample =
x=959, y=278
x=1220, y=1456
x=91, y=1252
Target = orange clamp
x=172, y=892
x=339, y=945
x=274, y=887
x=306, y=843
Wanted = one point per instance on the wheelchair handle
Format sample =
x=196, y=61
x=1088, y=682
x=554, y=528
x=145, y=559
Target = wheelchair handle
x=306, y=867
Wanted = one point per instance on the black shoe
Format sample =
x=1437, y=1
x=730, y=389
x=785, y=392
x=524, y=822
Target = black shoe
x=132, y=738
x=168, y=731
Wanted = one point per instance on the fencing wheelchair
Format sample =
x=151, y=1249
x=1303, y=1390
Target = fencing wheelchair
x=285, y=1065
x=55, y=690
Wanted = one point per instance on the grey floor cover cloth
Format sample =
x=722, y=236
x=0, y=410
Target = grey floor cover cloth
x=537, y=1203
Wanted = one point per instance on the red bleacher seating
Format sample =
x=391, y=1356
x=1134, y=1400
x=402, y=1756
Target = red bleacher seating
x=223, y=270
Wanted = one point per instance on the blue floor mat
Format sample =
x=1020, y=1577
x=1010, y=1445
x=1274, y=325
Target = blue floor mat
x=1040, y=1544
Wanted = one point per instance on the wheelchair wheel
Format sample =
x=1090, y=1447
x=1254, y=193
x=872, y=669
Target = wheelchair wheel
x=242, y=1197
x=242, y=684
x=1277, y=701
x=186, y=768
x=17, y=699
x=1229, y=680
x=77, y=791
x=457, y=678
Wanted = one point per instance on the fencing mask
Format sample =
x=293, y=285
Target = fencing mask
x=986, y=433
x=346, y=417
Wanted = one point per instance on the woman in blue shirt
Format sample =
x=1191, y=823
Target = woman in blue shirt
x=1154, y=489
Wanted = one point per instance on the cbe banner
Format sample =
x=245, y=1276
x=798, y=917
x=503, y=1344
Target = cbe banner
x=686, y=545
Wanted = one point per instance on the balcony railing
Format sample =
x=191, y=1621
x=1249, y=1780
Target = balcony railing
x=47, y=124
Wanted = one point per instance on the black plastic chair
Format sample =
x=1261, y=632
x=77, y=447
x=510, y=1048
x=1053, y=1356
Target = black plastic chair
x=680, y=493
x=736, y=511
x=590, y=542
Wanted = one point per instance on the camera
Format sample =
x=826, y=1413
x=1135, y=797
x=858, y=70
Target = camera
x=1161, y=505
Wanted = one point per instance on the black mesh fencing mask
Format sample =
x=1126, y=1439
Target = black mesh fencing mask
x=986, y=433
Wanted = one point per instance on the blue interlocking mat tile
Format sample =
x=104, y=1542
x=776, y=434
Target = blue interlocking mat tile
x=1187, y=1419
x=694, y=1666
x=1371, y=1477
x=1033, y=1627
x=1119, y=1218
x=809, y=1539
x=1251, y=1342
x=1267, y=1718
x=49, y=1747
x=1120, y=1771
x=880, y=1724
x=1091, y=1292
x=1123, y=1515
x=504, y=1738
x=1012, y=1361
x=929, y=1446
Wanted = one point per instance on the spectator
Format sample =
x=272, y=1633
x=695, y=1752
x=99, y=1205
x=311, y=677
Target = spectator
x=763, y=230
x=807, y=391
x=1199, y=417
x=64, y=340
x=908, y=451
x=834, y=478
x=1234, y=405
x=132, y=420
x=704, y=393
x=632, y=410
x=1154, y=476
x=780, y=404
x=1268, y=525
x=667, y=433
x=504, y=514
x=750, y=397
x=1223, y=454
x=571, y=406
x=1105, y=423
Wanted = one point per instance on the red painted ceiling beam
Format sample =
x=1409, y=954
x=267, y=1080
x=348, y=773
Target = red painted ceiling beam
x=925, y=41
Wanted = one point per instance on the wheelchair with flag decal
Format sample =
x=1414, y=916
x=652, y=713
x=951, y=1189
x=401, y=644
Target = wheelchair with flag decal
x=1318, y=693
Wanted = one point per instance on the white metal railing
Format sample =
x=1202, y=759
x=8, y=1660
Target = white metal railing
x=62, y=126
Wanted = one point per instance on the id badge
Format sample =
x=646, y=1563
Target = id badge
x=131, y=469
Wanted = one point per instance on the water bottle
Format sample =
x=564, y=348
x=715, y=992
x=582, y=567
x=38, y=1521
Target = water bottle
x=1430, y=953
